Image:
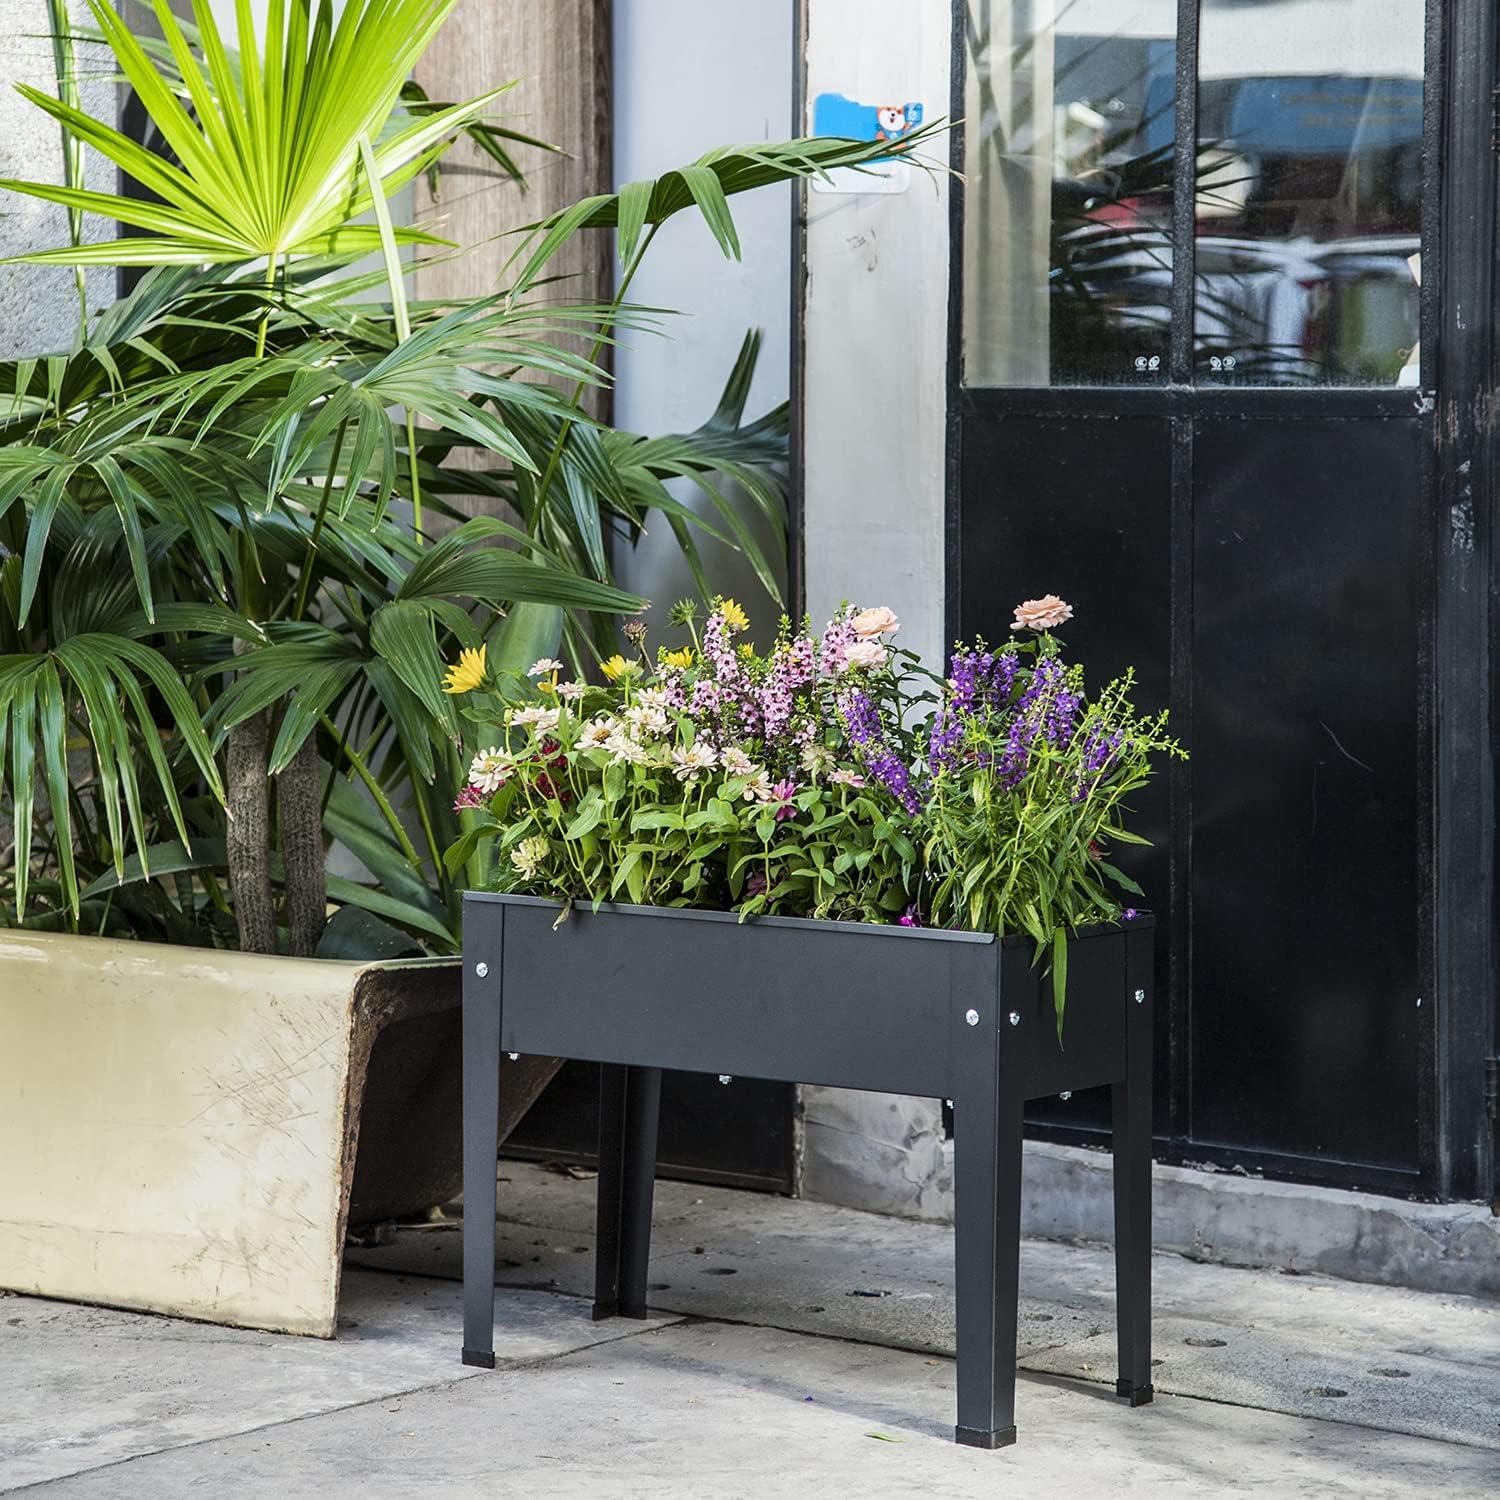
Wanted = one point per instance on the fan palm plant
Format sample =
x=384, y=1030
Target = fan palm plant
x=219, y=512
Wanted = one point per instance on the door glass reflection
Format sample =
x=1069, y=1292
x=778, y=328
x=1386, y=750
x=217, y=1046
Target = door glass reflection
x=1308, y=192
x=1068, y=143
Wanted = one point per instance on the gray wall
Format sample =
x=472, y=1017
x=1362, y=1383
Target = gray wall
x=687, y=77
x=38, y=305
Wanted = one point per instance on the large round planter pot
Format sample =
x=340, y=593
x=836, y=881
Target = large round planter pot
x=190, y=1131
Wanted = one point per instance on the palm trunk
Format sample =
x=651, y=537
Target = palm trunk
x=248, y=790
x=299, y=812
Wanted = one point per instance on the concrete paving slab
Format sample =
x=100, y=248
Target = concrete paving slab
x=85, y=1386
x=1262, y=1338
x=709, y=1410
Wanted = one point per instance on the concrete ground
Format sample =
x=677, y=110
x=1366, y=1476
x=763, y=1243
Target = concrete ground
x=798, y=1350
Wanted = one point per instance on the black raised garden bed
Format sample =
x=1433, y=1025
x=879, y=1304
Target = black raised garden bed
x=949, y=1015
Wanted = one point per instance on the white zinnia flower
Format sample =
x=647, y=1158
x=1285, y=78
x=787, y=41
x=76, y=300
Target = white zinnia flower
x=542, y=667
x=654, y=697
x=623, y=748
x=598, y=732
x=816, y=757
x=646, y=721
x=572, y=691
x=542, y=720
x=489, y=770
x=529, y=855
x=846, y=778
x=758, y=788
x=687, y=764
x=737, y=763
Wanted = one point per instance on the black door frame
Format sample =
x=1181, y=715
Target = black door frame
x=1460, y=1033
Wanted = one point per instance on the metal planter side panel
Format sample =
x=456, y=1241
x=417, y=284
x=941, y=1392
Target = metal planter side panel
x=834, y=1003
x=808, y=1002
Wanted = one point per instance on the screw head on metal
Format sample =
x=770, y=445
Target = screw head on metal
x=481, y=970
x=1140, y=997
x=1015, y=1018
x=1066, y=1094
x=726, y=1077
x=972, y=1017
x=513, y=1056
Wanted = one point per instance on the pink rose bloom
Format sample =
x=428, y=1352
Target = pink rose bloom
x=1046, y=613
x=869, y=623
x=868, y=654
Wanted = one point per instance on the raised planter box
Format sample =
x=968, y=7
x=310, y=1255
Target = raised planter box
x=951, y=1015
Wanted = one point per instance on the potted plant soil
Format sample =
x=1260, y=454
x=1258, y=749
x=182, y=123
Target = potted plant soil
x=820, y=864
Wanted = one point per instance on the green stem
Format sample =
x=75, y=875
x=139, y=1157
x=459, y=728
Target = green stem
x=360, y=769
x=265, y=317
x=555, y=457
x=425, y=818
x=416, y=484
x=317, y=532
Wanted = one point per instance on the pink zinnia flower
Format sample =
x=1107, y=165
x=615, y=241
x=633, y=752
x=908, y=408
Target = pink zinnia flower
x=471, y=796
x=782, y=793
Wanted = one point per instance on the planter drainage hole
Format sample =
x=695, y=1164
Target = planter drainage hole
x=720, y=1271
x=1391, y=1372
x=1207, y=1343
x=1324, y=1390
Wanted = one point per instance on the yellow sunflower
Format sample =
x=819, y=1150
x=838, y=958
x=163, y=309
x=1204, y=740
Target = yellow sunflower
x=682, y=658
x=734, y=615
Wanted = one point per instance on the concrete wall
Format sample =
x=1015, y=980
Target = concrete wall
x=39, y=310
x=688, y=77
x=875, y=331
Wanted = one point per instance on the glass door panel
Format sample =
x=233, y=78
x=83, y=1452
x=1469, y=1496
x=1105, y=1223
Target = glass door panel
x=1067, y=224
x=1308, y=191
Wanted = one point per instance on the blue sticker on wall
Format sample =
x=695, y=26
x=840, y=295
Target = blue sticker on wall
x=837, y=114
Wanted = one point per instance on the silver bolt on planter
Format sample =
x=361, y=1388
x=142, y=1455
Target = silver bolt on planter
x=513, y=1055
x=1140, y=997
x=726, y=1078
x=1066, y=1094
x=481, y=970
x=972, y=1017
x=1015, y=1018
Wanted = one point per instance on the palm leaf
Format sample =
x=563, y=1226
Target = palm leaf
x=264, y=156
x=706, y=184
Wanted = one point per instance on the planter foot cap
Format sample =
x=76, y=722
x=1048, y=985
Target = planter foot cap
x=603, y=1310
x=484, y=1359
x=1137, y=1395
x=985, y=1437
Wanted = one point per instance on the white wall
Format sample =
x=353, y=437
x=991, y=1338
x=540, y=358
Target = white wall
x=876, y=335
x=687, y=77
x=874, y=413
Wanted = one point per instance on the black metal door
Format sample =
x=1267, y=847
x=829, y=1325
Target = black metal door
x=1196, y=383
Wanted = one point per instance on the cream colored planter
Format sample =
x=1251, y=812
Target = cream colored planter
x=178, y=1126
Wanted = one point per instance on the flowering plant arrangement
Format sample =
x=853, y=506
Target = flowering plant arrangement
x=710, y=775
x=826, y=777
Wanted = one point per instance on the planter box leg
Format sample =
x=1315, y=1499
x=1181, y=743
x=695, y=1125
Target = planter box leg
x=629, y=1107
x=481, y=1067
x=987, y=1204
x=1131, y=1102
